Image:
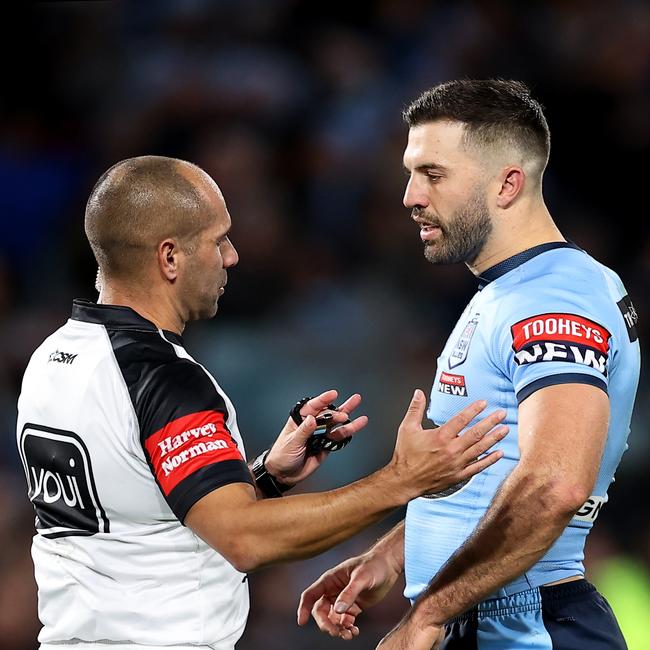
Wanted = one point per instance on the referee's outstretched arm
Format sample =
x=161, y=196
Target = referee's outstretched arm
x=252, y=533
x=159, y=229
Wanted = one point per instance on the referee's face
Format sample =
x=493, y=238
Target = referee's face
x=206, y=272
x=446, y=193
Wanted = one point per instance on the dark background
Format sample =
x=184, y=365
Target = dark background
x=295, y=111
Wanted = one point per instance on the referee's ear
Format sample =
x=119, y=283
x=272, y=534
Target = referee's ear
x=167, y=255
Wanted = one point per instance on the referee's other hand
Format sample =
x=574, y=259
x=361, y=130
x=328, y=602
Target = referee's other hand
x=288, y=460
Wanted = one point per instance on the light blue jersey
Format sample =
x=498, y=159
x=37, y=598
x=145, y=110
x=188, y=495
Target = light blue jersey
x=549, y=315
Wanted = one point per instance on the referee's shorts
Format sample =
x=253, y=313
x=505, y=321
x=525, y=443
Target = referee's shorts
x=569, y=616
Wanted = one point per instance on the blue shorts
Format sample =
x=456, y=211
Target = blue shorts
x=570, y=616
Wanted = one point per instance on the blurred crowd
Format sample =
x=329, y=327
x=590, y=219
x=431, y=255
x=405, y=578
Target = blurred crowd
x=295, y=109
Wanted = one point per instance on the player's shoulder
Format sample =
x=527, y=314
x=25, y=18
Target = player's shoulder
x=562, y=288
x=568, y=268
x=562, y=278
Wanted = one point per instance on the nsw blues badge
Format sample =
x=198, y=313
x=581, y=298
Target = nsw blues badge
x=461, y=349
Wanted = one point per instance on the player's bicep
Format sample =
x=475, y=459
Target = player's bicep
x=563, y=430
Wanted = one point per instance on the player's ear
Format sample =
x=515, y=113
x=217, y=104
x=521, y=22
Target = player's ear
x=512, y=185
x=167, y=255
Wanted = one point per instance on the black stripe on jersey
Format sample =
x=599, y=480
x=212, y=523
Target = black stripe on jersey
x=555, y=380
x=204, y=481
x=163, y=388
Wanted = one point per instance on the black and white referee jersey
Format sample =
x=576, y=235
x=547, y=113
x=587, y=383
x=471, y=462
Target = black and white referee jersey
x=120, y=432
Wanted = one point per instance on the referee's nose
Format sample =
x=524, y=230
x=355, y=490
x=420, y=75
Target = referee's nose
x=229, y=254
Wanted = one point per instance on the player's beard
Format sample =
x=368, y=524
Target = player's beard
x=463, y=235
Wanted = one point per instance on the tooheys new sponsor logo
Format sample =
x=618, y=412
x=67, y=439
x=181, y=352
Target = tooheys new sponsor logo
x=189, y=443
x=452, y=384
x=561, y=337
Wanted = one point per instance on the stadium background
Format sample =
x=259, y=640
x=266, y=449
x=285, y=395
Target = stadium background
x=295, y=111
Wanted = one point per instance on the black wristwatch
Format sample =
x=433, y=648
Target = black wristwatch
x=269, y=486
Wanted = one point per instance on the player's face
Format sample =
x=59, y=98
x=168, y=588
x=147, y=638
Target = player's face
x=446, y=193
x=206, y=271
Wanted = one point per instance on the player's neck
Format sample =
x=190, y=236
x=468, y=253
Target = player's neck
x=152, y=307
x=516, y=235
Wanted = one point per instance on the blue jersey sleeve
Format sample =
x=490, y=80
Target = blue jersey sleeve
x=554, y=339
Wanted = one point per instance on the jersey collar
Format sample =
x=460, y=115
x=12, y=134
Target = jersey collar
x=117, y=317
x=511, y=263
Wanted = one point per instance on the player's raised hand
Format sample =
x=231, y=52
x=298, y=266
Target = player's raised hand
x=288, y=460
x=431, y=460
x=342, y=593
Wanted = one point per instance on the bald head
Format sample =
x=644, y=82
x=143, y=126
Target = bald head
x=141, y=201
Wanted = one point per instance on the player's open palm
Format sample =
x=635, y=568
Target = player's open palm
x=342, y=593
x=431, y=460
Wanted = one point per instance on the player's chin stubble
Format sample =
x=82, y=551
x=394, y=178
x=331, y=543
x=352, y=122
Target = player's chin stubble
x=462, y=238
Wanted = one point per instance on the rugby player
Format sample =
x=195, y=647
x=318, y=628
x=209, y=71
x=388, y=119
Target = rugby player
x=496, y=561
x=148, y=517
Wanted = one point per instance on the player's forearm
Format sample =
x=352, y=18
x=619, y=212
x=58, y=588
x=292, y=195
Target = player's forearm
x=391, y=547
x=526, y=517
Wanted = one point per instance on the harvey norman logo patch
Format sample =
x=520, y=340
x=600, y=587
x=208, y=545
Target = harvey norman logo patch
x=561, y=337
x=452, y=384
x=187, y=444
x=171, y=443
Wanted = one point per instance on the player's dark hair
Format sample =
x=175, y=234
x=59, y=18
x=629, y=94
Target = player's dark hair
x=134, y=205
x=493, y=111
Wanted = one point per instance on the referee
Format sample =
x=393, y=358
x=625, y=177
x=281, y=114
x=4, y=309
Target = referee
x=147, y=515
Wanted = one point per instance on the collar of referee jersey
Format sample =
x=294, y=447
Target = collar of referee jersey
x=117, y=317
x=511, y=263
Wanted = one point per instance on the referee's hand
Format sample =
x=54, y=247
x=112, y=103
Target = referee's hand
x=432, y=460
x=288, y=460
